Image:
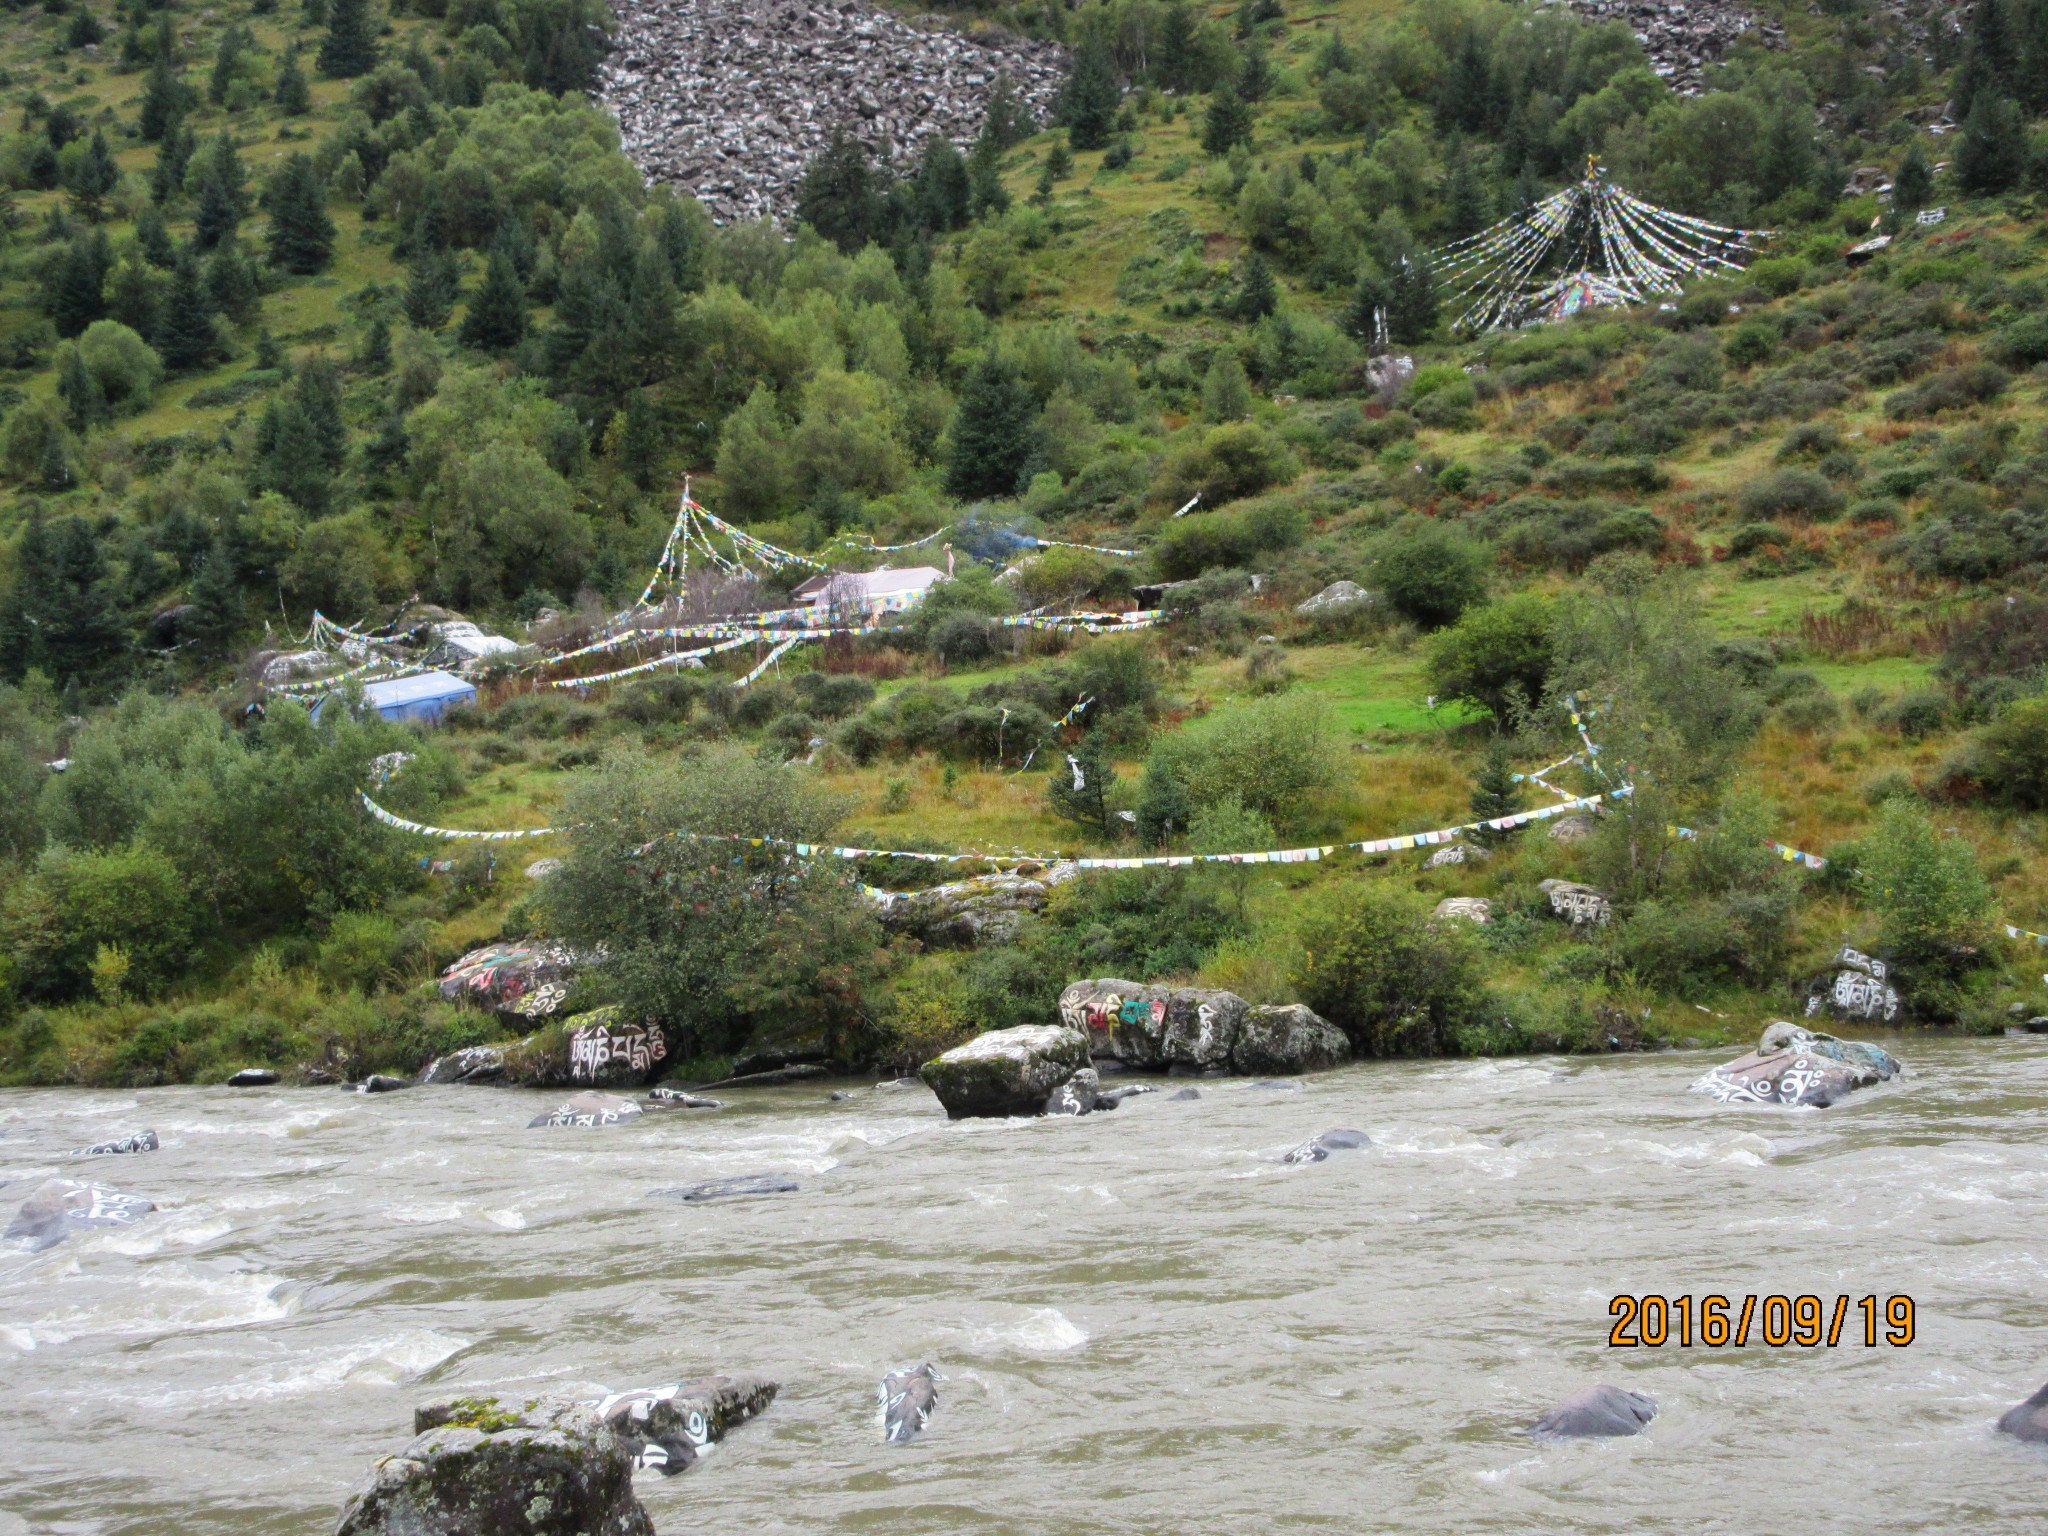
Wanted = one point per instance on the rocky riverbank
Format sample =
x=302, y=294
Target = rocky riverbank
x=728, y=99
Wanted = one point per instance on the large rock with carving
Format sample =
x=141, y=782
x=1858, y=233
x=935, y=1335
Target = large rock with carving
x=987, y=909
x=1857, y=990
x=1006, y=1071
x=1796, y=1066
x=1283, y=1041
x=1579, y=905
x=667, y=1428
x=480, y=1467
x=60, y=1207
x=1466, y=909
x=529, y=980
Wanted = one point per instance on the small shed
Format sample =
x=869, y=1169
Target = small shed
x=423, y=696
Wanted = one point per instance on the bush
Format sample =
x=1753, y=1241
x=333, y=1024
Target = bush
x=1235, y=460
x=1677, y=944
x=362, y=950
x=1927, y=891
x=2012, y=755
x=124, y=366
x=1431, y=575
x=1954, y=390
x=2024, y=343
x=1495, y=654
x=1750, y=343
x=664, y=700
x=1199, y=542
x=1916, y=715
x=1798, y=493
x=1396, y=983
x=128, y=898
x=831, y=696
x=1275, y=755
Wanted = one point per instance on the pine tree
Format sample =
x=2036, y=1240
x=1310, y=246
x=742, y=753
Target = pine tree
x=184, y=336
x=167, y=181
x=78, y=294
x=1078, y=787
x=995, y=434
x=85, y=30
x=301, y=233
x=1255, y=74
x=942, y=194
x=1913, y=186
x=1785, y=160
x=496, y=318
x=1164, y=806
x=1089, y=99
x=985, y=189
x=133, y=295
x=654, y=332
x=1411, y=302
x=288, y=456
x=1226, y=395
x=375, y=358
x=1992, y=154
x=226, y=63
x=93, y=177
x=430, y=291
x=223, y=199
x=61, y=617
x=216, y=599
x=85, y=403
x=350, y=47
x=1006, y=118
x=232, y=283
x=153, y=238
x=318, y=393
x=640, y=444
x=1494, y=791
x=163, y=100
x=313, y=13
x=1227, y=124
x=1466, y=209
x=837, y=195
x=1257, y=294
x=1367, y=309
x=1173, y=61
x=294, y=96
x=1467, y=88
x=1988, y=54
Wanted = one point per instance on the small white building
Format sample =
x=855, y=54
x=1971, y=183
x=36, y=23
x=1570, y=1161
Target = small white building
x=891, y=589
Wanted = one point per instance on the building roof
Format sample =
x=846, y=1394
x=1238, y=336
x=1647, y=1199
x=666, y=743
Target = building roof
x=464, y=638
x=871, y=586
x=414, y=689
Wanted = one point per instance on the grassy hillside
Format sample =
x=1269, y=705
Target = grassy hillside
x=1784, y=531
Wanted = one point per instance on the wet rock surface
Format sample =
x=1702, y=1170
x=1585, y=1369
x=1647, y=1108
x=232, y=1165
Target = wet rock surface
x=1197, y=1030
x=1006, y=1071
x=1858, y=989
x=588, y=1110
x=1596, y=1412
x=1796, y=1066
x=141, y=1141
x=667, y=1428
x=60, y=1207
x=907, y=1400
x=1321, y=1147
x=745, y=1186
x=729, y=99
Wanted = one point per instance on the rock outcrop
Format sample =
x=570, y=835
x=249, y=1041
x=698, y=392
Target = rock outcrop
x=1793, y=1065
x=477, y=1467
x=984, y=910
x=1597, y=1411
x=60, y=1207
x=589, y=1110
x=1337, y=597
x=1457, y=853
x=1858, y=990
x=1682, y=40
x=1579, y=905
x=667, y=1428
x=529, y=981
x=728, y=99
x=1466, y=909
x=1316, y=1150
x=471, y=1064
x=1080, y=1094
x=1007, y=1071
x=907, y=1400
x=1194, y=1029
x=141, y=1141
x=253, y=1077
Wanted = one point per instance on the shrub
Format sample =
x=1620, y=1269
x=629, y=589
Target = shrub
x=1791, y=493
x=1199, y=542
x=363, y=950
x=832, y=696
x=1494, y=654
x=124, y=366
x=1953, y=390
x=1273, y=754
x=1916, y=715
x=75, y=902
x=2024, y=343
x=1235, y=460
x=663, y=700
x=2012, y=755
x=1431, y=575
x=1397, y=984
x=1750, y=343
x=1928, y=893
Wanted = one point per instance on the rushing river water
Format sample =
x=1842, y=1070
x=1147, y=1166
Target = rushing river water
x=1147, y=1323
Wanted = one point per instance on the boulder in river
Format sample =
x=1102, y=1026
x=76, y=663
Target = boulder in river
x=478, y=1467
x=1579, y=905
x=987, y=909
x=471, y=1064
x=740, y=1187
x=1857, y=990
x=60, y=1207
x=907, y=1400
x=1006, y=1071
x=253, y=1077
x=590, y=1109
x=1080, y=1094
x=667, y=1428
x=1293, y=1038
x=590, y=1050
x=529, y=980
x=1793, y=1065
x=663, y=1097
x=378, y=1082
x=141, y=1141
x=2028, y=1420
x=1597, y=1411
x=606, y=1050
x=1330, y=1141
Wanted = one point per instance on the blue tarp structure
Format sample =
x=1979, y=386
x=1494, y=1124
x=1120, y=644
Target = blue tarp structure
x=420, y=697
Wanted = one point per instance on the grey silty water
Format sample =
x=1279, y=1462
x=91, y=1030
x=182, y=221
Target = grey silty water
x=1146, y=1322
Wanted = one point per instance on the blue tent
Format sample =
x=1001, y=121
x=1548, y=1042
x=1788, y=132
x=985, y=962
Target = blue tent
x=420, y=697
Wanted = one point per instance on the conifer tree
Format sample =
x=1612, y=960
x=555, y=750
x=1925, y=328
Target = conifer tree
x=1173, y=60
x=837, y=195
x=943, y=197
x=223, y=197
x=1254, y=74
x=1494, y=791
x=1992, y=154
x=1367, y=309
x=232, y=283
x=431, y=289
x=153, y=238
x=317, y=390
x=2030, y=68
x=1078, y=787
x=301, y=233
x=496, y=318
x=640, y=444
x=184, y=336
x=216, y=599
x=78, y=292
x=294, y=96
x=1006, y=118
x=93, y=177
x=350, y=47
x=1411, y=302
x=227, y=62
x=985, y=190
x=375, y=357
x=995, y=435
x=133, y=293
x=313, y=13
x=85, y=403
x=288, y=456
x=163, y=100
x=1914, y=183
x=167, y=180
x=1227, y=124
x=60, y=616
x=1257, y=294
x=1089, y=99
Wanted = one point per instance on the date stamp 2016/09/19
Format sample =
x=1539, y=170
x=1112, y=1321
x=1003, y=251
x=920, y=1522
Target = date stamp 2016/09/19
x=1717, y=1322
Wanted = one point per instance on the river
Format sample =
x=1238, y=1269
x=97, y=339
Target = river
x=1146, y=1321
